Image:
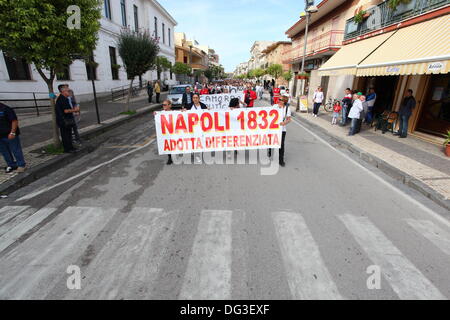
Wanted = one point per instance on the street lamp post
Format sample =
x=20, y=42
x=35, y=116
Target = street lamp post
x=310, y=8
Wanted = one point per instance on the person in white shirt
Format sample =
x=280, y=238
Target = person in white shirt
x=317, y=99
x=287, y=114
x=355, y=114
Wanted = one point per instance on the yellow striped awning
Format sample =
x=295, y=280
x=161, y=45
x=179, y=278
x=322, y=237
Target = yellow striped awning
x=423, y=48
x=349, y=56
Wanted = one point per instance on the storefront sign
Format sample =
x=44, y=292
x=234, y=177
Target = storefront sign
x=304, y=103
x=220, y=101
x=392, y=69
x=218, y=130
x=435, y=66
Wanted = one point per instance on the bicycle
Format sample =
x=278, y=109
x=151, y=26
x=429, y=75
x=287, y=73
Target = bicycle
x=330, y=104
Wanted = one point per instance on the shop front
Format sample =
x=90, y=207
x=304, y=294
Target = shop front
x=416, y=57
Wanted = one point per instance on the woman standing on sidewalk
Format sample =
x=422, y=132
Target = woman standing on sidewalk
x=318, y=99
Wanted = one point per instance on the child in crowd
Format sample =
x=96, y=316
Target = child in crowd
x=336, y=112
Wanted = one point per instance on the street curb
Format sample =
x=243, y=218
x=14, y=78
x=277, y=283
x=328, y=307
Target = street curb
x=385, y=167
x=43, y=169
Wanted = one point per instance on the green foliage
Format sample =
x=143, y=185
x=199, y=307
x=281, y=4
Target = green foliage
x=393, y=4
x=51, y=149
x=259, y=72
x=215, y=72
x=275, y=70
x=288, y=75
x=138, y=52
x=198, y=73
x=447, y=140
x=181, y=68
x=36, y=30
x=359, y=17
x=162, y=64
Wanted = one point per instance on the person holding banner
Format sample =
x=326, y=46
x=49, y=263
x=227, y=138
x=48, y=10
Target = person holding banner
x=196, y=104
x=249, y=96
x=286, y=119
x=167, y=106
x=187, y=98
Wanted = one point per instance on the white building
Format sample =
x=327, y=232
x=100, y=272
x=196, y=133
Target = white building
x=116, y=14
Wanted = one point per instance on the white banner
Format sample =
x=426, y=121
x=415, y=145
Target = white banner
x=220, y=101
x=218, y=130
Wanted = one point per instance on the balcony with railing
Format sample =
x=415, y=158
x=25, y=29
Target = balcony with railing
x=322, y=43
x=382, y=16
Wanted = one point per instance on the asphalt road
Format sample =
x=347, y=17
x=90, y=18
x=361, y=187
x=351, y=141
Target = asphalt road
x=323, y=227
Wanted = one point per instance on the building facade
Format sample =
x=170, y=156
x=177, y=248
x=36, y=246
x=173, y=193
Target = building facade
x=17, y=77
x=274, y=54
x=394, y=50
x=325, y=37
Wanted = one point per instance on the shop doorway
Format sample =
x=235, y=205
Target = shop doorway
x=385, y=89
x=435, y=114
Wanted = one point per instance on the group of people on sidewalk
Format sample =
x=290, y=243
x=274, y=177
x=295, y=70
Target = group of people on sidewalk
x=357, y=108
x=10, y=145
x=66, y=108
x=153, y=87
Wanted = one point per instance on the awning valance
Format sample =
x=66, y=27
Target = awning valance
x=423, y=48
x=348, y=57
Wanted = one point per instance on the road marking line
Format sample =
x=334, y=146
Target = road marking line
x=416, y=202
x=33, y=269
x=37, y=193
x=439, y=237
x=308, y=277
x=9, y=212
x=208, y=275
x=404, y=278
x=14, y=234
x=131, y=260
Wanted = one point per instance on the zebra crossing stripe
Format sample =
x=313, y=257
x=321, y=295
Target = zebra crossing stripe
x=14, y=234
x=130, y=260
x=404, y=278
x=439, y=237
x=308, y=277
x=208, y=275
x=9, y=212
x=46, y=256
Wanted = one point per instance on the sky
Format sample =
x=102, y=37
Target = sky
x=230, y=27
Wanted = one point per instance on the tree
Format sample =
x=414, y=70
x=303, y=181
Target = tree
x=275, y=70
x=259, y=73
x=43, y=33
x=288, y=76
x=162, y=64
x=180, y=68
x=138, y=52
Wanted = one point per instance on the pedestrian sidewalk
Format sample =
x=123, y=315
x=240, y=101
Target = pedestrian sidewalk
x=36, y=132
x=417, y=163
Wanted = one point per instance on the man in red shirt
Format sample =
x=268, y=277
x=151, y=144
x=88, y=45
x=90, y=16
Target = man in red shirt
x=205, y=90
x=276, y=95
x=249, y=96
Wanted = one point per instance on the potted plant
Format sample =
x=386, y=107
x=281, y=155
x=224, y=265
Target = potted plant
x=447, y=144
x=393, y=4
x=360, y=16
x=301, y=76
x=116, y=66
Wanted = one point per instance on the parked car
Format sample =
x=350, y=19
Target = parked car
x=176, y=94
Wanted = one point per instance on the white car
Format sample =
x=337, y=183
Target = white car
x=176, y=94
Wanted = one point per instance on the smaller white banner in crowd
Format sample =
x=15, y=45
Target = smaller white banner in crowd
x=218, y=130
x=220, y=101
